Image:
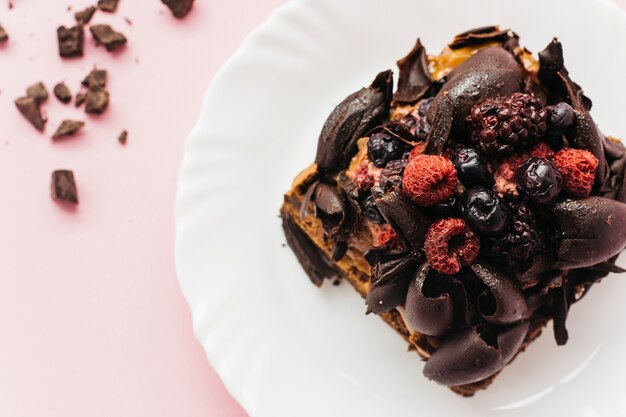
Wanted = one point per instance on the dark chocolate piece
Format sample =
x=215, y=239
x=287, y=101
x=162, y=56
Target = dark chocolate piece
x=503, y=302
x=308, y=254
x=107, y=5
x=331, y=208
x=31, y=110
x=38, y=91
x=96, y=101
x=591, y=231
x=479, y=36
x=389, y=284
x=105, y=35
x=84, y=16
x=354, y=116
x=67, y=128
x=560, y=305
x=409, y=221
x=4, y=36
x=97, y=78
x=70, y=41
x=80, y=99
x=179, y=8
x=63, y=187
x=464, y=357
x=586, y=136
x=123, y=137
x=415, y=79
x=62, y=92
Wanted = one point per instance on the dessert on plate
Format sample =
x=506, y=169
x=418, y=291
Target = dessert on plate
x=469, y=207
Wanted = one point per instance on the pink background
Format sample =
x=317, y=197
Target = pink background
x=92, y=319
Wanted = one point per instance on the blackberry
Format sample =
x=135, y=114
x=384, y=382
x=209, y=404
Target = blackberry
x=520, y=240
x=382, y=148
x=391, y=175
x=485, y=211
x=539, y=180
x=560, y=118
x=370, y=210
x=504, y=124
x=471, y=168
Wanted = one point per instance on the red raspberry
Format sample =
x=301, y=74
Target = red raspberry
x=384, y=234
x=505, y=182
x=542, y=150
x=363, y=179
x=417, y=150
x=450, y=244
x=429, y=179
x=578, y=169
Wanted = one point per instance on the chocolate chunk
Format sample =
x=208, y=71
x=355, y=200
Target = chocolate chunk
x=80, y=99
x=4, y=36
x=415, y=79
x=63, y=187
x=465, y=357
x=97, y=101
x=560, y=307
x=308, y=254
x=179, y=8
x=38, y=91
x=67, y=128
x=123, y=137
x=107, y=5
x=389, y=283
x=354, y=116
x=31, y=110
x=105, y=35
x=587, y=136
x=96, y=78
x=70, y=41
x=331, y=208
x=84, y=16
x=408, y=220
x=63, y=93
x=479, y=36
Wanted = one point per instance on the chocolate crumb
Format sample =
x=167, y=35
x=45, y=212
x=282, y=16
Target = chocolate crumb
x=4, y=36
x=63, y=187
x=80, y=99
x=107, y=5
x=84, y=16
x=62, y=92
x=71, y=41
x=179, y=8
x=68, y=128
x=38, y=91
x=123, y=137
x=10, y=5
x=105, y=35
x=30, y=109
x=97, y=78
x=96, y=101
x=127, y=20
x=336, y=282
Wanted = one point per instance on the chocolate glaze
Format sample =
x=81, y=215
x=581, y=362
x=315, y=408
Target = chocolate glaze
x=415, y=79
x=464, y=357
x=479, y=36
x=389, y=283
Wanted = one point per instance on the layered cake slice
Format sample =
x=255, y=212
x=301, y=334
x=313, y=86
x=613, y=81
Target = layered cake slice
x=469, y=207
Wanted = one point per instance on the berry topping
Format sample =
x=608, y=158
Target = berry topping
x=417, y=150
x=471, y=168
x=542, y=150
x=520, y=240
x=429, y=179
x=391, y=175
x=578, y=169
x=485, y=211
x=382, y=148
x=363, y=178
x=539, y=180
x=370, y=210
x=450, y=244
x=506, y=172
x=503, y=124
x=446, y=208
x=383, y=235
x=561, y=117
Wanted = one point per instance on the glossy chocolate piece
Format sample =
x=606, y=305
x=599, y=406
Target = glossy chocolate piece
x=464, y=357
x=408, y=220
x=480, y=36
x=389, y=284
x=415, y=79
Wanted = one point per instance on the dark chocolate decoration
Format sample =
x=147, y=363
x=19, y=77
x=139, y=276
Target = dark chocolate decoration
x=586, y=136
x=306, y=198
x=38, y=91
x=489, y=73
x=339, y=251
x=591, y=231
x=67, y=128
x=308, y=254
x=398, y=130
x=415, y=79
x=97, y=78
x=464, y=357
x=31, y=110
x=331, y=208
x=503, y=302
x=4, y=36
x=408, y=220
x=354, y=116
x=84, y=16
x=63, y=93
x=479, y=36
x=96, y=101
x=107, y=5
x=560, y=305
x=389, y=284
x=348, y=186
x=179, y=8
x=71, y=41
x=431, y=314
x=63, y=186
x=123, y=137
x=105, y=35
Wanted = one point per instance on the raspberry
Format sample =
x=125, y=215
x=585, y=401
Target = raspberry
x=542, y=150
x=503, y=124
x=383, y=235
x=450, y=244
x=578, y=169
x=417, y=150
x=363, y=179
x=429, y=179
x=506, y=172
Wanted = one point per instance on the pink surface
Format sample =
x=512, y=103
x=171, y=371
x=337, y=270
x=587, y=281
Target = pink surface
x=93, y=322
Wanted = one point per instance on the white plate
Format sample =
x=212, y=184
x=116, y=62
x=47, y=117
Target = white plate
x=285, y=348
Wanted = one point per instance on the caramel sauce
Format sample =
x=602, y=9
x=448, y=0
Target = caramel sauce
x=449, y=59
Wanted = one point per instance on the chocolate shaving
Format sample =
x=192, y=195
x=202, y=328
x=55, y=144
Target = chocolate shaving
x=306, y=198
x=415, y=79
x=70, y=41
x=38, y=91
x=97, y=78
x=331, y=208
x=398, y=130
x=97, y=101
x=347, y=186
x=179, y=8
x=560, y=310
x=4, y=36
x=389, y=284
x=480, y=36
x=62, y=92
x=354, y=116
x=308, y=254
x=406, y=219
x=107, y=5
x=63, y=187
x=84, y=16
x=339, y=251
x=31, y=110
x=68, y=128
x=123, y=137
x=105, y=35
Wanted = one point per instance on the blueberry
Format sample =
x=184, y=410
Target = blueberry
x=370, y=210
x=539, y=180
x=446, y=208
x=422, y=129
x=382, y=148
x=561, y=117
x=484, y=211
x=471, y=168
